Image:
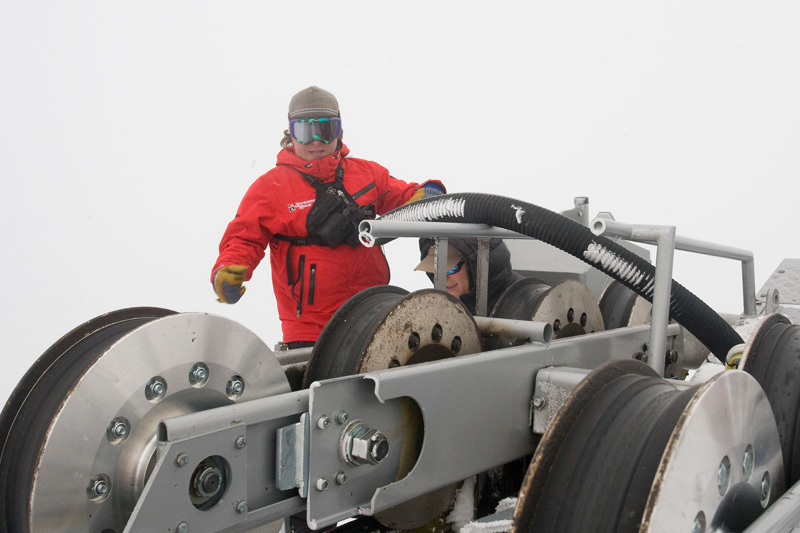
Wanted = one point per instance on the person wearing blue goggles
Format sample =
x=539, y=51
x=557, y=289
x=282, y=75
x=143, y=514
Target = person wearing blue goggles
x=458, y=279
x=461, y=264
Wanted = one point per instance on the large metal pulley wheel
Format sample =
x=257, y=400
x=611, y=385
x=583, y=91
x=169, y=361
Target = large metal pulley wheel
x=772, y=357
x=386, y=327
x=621, y=308
x=630, y=451
x=568, y=306
x=78, y=435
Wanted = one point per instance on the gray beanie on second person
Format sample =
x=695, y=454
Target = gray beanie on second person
x=313, y=102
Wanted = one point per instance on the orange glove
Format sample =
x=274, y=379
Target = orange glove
x=228, y=283
x=426, y=191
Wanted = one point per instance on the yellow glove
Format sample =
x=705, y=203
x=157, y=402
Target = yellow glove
x=228, y=283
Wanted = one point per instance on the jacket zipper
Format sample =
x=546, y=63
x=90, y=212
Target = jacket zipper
x=312, y=276
x=301, y=276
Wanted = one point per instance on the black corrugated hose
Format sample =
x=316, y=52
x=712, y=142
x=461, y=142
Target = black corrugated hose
x=577, y=240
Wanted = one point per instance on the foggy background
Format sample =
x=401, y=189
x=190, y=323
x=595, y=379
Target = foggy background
x=129, y=132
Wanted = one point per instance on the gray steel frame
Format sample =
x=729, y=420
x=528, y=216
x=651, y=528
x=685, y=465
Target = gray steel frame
x=464, y=433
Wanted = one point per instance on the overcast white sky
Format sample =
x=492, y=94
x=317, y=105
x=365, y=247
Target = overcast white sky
x=130, y=130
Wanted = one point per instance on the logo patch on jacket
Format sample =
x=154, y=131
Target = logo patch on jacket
x=305, y=204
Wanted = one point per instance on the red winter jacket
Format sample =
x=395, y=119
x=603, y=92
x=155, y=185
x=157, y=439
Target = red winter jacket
x=278, y=203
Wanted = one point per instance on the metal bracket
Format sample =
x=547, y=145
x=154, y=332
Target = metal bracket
x=245, y=437
x=553, y=387
x=292, y=456
x=177, y=463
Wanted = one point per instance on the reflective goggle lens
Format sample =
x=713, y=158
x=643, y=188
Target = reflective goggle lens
x=455, y=268
x=308, y=130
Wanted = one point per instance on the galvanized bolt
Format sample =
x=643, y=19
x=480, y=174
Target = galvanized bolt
x=157, y=388
x=182, y=527
x=323, y=422
x=765, y=488
x=199, y=374
x=723, y=475
x=364, y=445
x=341, y=478
x=321, y=484
x=241, y=441
x=342, y=417
x=119, y=429
x=748, y=461
x=181, y=459
x=539, y=401
x=699, y=525
x=98, y=487
x=242, y=507
x=235, y=386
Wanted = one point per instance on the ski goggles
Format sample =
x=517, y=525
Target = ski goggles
x=308, y=130
x=456, y=267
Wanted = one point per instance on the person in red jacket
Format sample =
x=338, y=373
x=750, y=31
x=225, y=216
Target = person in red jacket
x=306, y=210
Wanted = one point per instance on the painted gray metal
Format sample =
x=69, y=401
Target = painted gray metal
x=476, y=411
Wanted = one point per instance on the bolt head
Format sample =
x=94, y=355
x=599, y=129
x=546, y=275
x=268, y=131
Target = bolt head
x=539, y=402
x=321, y=484
x=100, y=487
x=723, y=475
x=379, y=449
x=241, y=441
x=341, y=478
x=413, y=341
x=699, y=525
x=183, y=527
x=181, y=459
x=323, y=422
x=242, y=507
x=765, y=489
x=455, y=345
x=342, y=417
x=748, y=461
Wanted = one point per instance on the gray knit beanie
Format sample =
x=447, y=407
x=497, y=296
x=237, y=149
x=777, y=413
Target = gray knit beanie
x=313, y=102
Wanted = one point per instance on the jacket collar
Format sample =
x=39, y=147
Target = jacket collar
x=323, y=169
